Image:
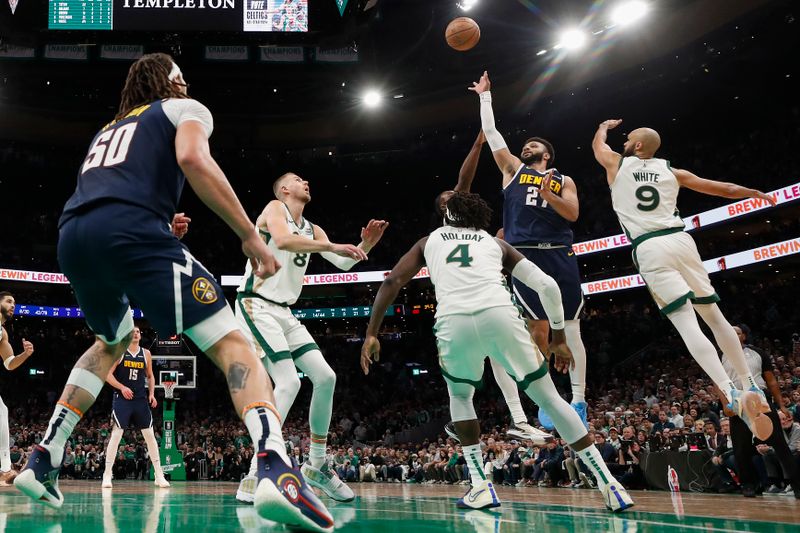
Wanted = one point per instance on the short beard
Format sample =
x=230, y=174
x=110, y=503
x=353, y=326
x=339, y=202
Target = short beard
x=628, y=152
x=532, y=159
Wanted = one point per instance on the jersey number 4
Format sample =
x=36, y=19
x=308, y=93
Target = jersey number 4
x=533, y=198
x=110, y=148
x=460, y=255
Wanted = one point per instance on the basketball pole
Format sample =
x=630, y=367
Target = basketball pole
x=171, y=458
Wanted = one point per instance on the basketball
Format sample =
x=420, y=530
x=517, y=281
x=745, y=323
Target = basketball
x=463, y=34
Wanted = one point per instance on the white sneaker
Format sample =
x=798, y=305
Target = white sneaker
x=106, y=482
x=328, y=482
x=246, y=493
x=526, y=431
x=161, y=482
x=748, y=405
x=482, y=496
x=616, y=497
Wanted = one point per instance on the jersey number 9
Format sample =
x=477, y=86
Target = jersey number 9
x=648, y=196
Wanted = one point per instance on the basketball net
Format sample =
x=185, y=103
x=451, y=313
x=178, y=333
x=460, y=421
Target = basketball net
x=169, y=389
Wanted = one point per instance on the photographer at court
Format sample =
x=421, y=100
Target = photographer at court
x=744, y=447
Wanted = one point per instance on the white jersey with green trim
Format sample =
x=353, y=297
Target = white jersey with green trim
x=645, y=196
x=466, y=267
x=285, y=286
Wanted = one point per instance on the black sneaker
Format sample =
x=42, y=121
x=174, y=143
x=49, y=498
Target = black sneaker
x=450, y=429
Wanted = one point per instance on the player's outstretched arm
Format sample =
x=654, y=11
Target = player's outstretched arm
x=11, y=361
x=470, y=165
x=403, y=272
x=550, y=295
x=506, y=161
x=718, y=188
x=370, y=235
x=213, y=188
x=608, y=158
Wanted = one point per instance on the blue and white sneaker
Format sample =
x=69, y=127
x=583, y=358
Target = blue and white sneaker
x=580, y=408
x=749, y=407
x=616, y=497
x=482, y=496
x=544, y=420
x=283, y=496
x=39, y=480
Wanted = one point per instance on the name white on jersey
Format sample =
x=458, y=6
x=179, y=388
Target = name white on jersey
x=285, y=286
x=465, y=266
x=645, y=196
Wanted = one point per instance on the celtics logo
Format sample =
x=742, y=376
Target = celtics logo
x=204, y=291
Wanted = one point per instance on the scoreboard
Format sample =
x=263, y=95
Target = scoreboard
x=179, y=15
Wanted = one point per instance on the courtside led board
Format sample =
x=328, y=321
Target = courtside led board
x=179, y=15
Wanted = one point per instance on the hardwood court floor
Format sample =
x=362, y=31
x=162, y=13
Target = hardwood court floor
x=386, y=508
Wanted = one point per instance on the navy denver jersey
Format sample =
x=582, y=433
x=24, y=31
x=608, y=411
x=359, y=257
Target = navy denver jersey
x=132, y=161
x=132, y=372
x=529, y=220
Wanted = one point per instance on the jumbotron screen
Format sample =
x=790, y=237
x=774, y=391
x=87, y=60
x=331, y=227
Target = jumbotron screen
x=179, y=15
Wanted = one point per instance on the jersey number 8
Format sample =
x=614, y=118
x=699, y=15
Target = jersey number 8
x=110, y=148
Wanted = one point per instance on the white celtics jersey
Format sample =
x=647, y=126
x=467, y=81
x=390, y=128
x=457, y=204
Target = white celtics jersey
x=465, y=266
x=284, y=287
x=645, y=196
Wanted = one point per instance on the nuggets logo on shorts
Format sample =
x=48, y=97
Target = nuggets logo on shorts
x=204, y=291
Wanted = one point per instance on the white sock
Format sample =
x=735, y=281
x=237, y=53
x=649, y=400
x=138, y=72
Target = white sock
x=316, y=452
x=60, y=427
x=577, y=376
x=474, y=458
x=594, y=461
x=152, y=451
x=111, y=450
x=728, y=342
x=510, y=392
x=685, y=321
x=264, y=427
x=5, y=439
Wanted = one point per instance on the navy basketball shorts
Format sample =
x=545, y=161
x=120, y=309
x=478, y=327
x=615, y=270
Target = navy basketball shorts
x=131, y=414
x=562, y=265
x=116, y=252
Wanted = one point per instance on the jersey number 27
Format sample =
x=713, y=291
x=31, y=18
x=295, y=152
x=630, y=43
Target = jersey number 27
x=533, y=198
x=110, y=148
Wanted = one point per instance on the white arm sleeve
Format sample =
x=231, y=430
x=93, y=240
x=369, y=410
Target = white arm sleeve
x=180, y=110
x=493, y=137
x=547, y=289
x=342, y=263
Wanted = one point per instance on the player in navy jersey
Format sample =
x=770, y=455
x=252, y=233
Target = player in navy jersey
x=115, y=243
x=132, y=377
x=539, y=205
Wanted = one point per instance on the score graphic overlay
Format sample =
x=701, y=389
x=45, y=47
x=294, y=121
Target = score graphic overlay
x=179, y=15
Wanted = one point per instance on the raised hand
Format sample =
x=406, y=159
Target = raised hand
x=611, y=123
x=27, y=347
x=373, y=232
x=482, y=85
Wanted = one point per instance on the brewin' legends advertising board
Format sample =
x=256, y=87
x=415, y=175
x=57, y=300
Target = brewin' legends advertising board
x=179, y=15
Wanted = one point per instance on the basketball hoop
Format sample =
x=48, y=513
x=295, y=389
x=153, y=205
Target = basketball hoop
x=169, y=389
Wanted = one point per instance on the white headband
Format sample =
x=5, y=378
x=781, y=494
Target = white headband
x=175, y=72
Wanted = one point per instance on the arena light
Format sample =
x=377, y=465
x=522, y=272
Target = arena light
x=466, y=5
x=627, y=13
x=372, y=98
x=572, y=39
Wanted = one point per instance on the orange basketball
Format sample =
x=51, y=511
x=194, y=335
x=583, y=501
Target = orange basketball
x=462, y=34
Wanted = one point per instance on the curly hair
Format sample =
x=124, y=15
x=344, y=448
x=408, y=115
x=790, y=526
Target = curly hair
x=147, y=81
x=468, y=210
